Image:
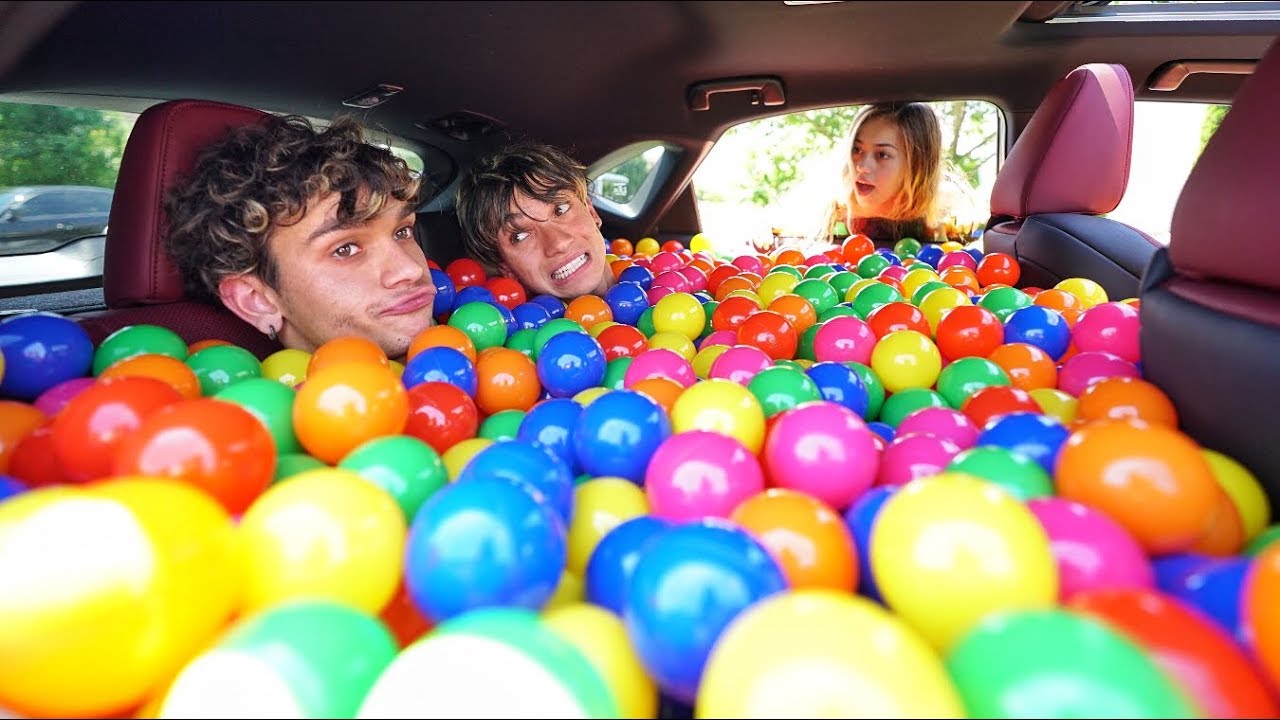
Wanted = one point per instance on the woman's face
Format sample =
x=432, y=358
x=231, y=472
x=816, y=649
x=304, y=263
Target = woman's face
x=878, y=165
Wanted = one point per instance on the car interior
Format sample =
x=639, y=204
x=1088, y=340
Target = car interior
x=449, y=81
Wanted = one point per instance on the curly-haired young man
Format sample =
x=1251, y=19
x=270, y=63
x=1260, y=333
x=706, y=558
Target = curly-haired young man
x=524, y=211
x=305, y=234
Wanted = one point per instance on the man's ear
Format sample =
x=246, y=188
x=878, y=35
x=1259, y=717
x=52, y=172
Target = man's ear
x=252, y=301
x=595, y=215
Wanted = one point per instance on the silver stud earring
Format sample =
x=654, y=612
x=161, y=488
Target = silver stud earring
x=271, y=333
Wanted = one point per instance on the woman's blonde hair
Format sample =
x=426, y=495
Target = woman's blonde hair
x=922, y=140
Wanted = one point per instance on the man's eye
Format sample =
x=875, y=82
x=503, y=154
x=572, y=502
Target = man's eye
x=405, y=233
x=346, y=250
x=518, y=237
x=562, y=208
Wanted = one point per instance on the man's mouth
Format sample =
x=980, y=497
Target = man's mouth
x=569, y=268
x=412, y=302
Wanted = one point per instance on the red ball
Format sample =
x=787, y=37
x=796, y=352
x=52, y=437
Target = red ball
x=508, y=292
x=895, y=316
x=441, y=414
x=969, y=331
x=770, y=332
x=93, y=424
x=1000, y=268
x=996, y=400
x=622, y=341
x=465, y=272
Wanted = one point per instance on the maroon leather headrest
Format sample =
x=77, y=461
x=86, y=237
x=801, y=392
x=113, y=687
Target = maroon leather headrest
x=1223, y=227
x=162, y=148
x=1073, y=157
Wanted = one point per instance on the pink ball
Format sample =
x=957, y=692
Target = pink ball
x=914, y=456
x=823, y=449
x=943, y=422
x=657, y=292
x=1086, y=368
x=1093, y=552
x=740, y=363
x=672, y=279
x=664, y=261
x=659, y=362
x=51, y=401
x=699, y=473
x=813, y=260
x=1110, y=327
x=957, y=257
x=844, y=338
x=749, y=263
x=719, y=337
x=896, y=272
x=697, y=279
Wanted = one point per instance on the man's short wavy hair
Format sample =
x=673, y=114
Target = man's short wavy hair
x=263, y=176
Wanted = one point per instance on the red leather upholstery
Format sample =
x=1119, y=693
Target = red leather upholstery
x=1074, y=154
x=140, y=284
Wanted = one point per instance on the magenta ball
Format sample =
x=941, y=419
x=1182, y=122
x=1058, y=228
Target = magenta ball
x=844, y=338
x=824, y=449
x=896, y=272
x=656, y=292
x=740, y=363
x=659, y=362
x=942, y=422
x=1084, y=369
x=665, y=261
x=697, y=279
x=1110, y=327
x=749, y=263
x=1093, y=552
x=699, y=473
x=913, y=456
x=720, y=337
x=674, y=280
x=957, y=257
x=51, y=401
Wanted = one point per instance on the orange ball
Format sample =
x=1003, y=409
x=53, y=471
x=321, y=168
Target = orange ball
x=798, y=311
x=661, y=390
x=199, y=345
x=855, y=247
x=621, y=246
x=587, y=310
x=810, y=542
x=617, y=266
x=346, y=404
x=165, y=368
x=1261, y=621
x=959, y=276
x=790, y=256
x=348, y=348
x=1120, y=398
x=506, y=379
x=442, y=336
x=17, y=419
x=1224, y=535
x=1056, y=299
x=1151, y=479
x=1028, y=366
x=732, y=312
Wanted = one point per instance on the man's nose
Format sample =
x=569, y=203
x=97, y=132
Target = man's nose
x=400, y=266
x=556, y=240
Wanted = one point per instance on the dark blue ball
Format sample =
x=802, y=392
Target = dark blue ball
x=627, y=301
x=446, y=292
x=637, y=274
x=41, y=350
x=440, y=363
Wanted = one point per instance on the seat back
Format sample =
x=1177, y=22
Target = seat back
x=1069, y=167
x=1210, y=303
x=140, y=283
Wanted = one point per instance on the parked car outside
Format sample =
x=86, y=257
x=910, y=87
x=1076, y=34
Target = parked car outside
x=37, y=218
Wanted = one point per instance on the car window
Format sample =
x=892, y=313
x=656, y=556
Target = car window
x=770, y=182
x=1168, y=138
x=624, y=181
x=50, y=203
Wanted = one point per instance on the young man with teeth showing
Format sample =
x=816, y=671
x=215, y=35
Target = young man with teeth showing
x=524, y=210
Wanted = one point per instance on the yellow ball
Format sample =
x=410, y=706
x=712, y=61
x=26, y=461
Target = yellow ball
x=699, y=242
x=950, y=246
x=937, y=303
x=584, y=397
x=289, y=366
x=457, y=457
x=595, y=330
x=568, y=591
x=397, y=368
x=106, y=590
x=775, y=285
x=916, y=277
x=599, y=505
x=680, y=313
x=750, y=294
x=674, y=342
x=1, y=367
x=1056, y=403
x=1244, y=490
x=951, y=549
x=1089, y=292
x=906, y=359
x=647, y=246
x=857, y=287
x=602, y=638
x=325, y=533
x=722, y=406
x=705, y=357
x=823, y=653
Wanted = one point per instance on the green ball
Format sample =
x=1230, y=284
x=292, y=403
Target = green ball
x=872, y=265
x=791, y=270
x=968, y=375
x=819, y=293
x=271, y=401
x=409, y=469
x=837, y=311
x=550, y=329
x=221, y=366
x=781, y=388
x=919, y=295
x=482, y=322
x=1003, y=301
x=841, y=282
x=1018, y=474
x=904, y=402
x=907, y=247
x=873, y=296
x=709, y=307
x=818, y=271
x=804, y=346
x=522, y=341
x=645, y=323
x=1263, y=539
x=137, y=340
x=615, y=371
x=502, y=425
x=875, y=389
x=290, y=464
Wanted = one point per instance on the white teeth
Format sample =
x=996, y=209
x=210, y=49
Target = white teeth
x=568, y=268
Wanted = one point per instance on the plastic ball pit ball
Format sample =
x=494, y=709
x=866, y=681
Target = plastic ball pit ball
x=697, y=495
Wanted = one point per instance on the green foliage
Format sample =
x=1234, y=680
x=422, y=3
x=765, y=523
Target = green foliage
x=48, y=145
x=1212, y=119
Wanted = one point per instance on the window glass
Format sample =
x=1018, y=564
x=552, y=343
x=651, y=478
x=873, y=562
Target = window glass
x=1167, y=139
x=773, y=182
x=623, y=181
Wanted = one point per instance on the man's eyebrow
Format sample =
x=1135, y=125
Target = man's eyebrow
x=335, y=225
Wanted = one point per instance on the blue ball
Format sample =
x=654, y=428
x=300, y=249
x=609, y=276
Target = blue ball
x=1215, y=588
x=703, y=296
x=1032, y=435
x=41, y=350
x=440, y=363
x=1040, y=326
x=618, y=433
x=609, y=568
x=571, y=362
x=884, y=430
x=474, y=293
x=483, y=543
x=930, y=254
x=10, y=486
x=688, y=585
x=1172, y=570
x=508, y=317
x=890, y=255
x=550, y=423
x=840, y=384
x=534, y=468
x=860, y=517
x=530, y=316
x=974, y=253
x=627, y=301
x=637, y=274
x=554, y=305
x=446, y=293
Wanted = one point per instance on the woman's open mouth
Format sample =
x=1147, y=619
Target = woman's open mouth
x=864, y=188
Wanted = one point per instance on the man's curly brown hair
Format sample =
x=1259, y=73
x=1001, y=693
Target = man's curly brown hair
x=263, y=176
